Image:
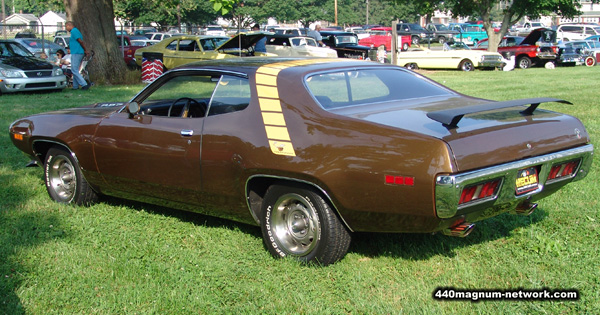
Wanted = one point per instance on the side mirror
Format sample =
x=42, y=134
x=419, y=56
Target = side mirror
x=133, y=108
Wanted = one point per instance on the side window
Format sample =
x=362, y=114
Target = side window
x=207, y=44
x=172, y=46
x=181, y=96
x=589, y=31
x=232, y=94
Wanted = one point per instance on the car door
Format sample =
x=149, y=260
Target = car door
x=156, y=152
x=190, y=50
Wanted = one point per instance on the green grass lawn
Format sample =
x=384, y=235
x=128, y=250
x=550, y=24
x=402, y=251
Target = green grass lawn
x=124, y=257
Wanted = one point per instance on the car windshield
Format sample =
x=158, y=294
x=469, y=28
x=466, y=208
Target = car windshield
x=13, y=50
x=472, y=29
x=441, y=27
x=359, y=87
x=380, y=33
x=346, y=39
x=303, y=41
x=460, y=46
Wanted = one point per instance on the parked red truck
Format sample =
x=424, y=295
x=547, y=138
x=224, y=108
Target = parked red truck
x=383, y=36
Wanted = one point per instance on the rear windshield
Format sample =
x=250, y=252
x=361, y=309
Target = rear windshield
x=358, y=87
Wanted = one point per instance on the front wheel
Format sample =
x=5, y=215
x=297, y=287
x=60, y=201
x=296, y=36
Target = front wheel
x=298, y=222
x=64, y=181
x=466, y=65
x=404, y=46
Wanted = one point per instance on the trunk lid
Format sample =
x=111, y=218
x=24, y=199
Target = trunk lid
x=484, y=138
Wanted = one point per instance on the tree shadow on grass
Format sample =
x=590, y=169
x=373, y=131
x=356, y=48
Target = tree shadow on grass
x=425, y=246
x=19, y=229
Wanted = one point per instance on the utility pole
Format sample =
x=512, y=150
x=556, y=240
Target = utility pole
x=367, y=12
x=3, y=20
x=335, y=9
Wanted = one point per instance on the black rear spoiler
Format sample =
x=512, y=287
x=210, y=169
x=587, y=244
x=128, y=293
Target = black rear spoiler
x=450, y=117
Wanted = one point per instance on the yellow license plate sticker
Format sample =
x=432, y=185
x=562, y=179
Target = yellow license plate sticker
x=527, y=180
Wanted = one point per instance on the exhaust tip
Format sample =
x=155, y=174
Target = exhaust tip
x=459, y=230
x=525, y=208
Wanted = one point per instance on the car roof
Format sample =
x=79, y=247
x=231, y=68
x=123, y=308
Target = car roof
x=336, y=33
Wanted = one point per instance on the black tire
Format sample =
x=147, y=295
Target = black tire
x=298, y=222
x=466, y=65
x=411, y=66
x=415, y=40
x=64, y=181
x=441, y=39
x=524, y=62
x=405, y=47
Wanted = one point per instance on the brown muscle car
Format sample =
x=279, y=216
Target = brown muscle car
x=311, y=150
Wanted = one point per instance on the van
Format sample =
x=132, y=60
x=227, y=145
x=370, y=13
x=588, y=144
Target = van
x=568, y=32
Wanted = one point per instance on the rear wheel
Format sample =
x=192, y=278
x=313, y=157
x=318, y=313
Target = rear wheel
x=404, y=46
x=64, y=181
x=524, y=62
x=411, y=66
x=298, y=222
x=415, y=40
x=466, y=65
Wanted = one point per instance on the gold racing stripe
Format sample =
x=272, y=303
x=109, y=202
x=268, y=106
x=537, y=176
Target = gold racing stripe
x=270, y=105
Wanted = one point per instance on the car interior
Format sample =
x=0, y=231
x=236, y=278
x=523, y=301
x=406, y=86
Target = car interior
x=192, y=96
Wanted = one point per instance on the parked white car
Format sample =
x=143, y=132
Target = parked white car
x=214, y=30
x=455, y=56
x=157, y=37
x=569, y=32
x=297, y=46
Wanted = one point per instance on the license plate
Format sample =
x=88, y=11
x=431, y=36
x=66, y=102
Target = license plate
x=527, y=180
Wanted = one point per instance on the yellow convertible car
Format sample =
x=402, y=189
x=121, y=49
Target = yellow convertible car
x=455, y=56
x=178, y=50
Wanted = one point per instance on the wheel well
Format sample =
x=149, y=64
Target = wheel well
x=257, y=186
x=41, y=148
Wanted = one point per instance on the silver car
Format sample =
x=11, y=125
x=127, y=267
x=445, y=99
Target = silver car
x=21, y=71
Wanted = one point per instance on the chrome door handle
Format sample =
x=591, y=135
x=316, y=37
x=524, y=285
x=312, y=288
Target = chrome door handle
x=187, y=133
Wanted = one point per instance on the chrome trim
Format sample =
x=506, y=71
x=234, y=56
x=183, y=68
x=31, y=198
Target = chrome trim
x=294, y=180
x=448, y=187
x=187, y=133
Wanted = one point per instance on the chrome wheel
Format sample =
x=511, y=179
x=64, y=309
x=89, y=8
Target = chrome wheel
x=467, y=65
x=295, y=224
x=62, y=178
x=298, y=222
x=64, y=181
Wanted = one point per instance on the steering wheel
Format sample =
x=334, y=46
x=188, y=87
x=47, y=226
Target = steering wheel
x=186, y=107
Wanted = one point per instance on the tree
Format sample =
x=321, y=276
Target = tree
x=512, y=12
x=95, y=20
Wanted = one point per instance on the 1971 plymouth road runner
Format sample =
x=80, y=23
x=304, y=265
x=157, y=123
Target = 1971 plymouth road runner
x=311, y=150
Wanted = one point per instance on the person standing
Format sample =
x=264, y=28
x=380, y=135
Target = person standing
x=78, y=51
x=317, y=35
x=260, y=44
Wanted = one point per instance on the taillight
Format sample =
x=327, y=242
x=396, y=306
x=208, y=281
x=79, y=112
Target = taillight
x=563, y=171
x=481, y=191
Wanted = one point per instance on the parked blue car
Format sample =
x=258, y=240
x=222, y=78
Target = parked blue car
x=469, y=34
